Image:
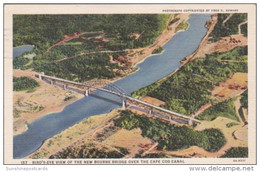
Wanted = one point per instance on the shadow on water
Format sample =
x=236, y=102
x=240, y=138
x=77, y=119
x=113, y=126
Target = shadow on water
x=106, y=99
x=100, y=96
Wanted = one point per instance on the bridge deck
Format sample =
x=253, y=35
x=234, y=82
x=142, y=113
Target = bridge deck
x=121, y=95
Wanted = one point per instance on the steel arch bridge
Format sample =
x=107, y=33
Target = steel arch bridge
x=113, y=89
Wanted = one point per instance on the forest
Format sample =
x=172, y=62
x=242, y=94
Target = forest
x=158, y=50
x=236, y=152
x=189, y=88
x=81, y=68
x=24, y=83
x=20, y=62
x=225, y=109
x=244, y=99
x=169, y=136
x=46, y=30
x=230, y=27
x=244, y=29
x=231, y=124
x=182, y=26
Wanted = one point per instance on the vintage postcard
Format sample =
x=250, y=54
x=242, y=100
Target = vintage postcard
x=129, y=84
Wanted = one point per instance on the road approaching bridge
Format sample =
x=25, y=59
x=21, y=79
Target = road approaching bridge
x=167, y=114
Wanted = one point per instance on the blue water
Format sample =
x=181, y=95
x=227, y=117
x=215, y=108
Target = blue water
x=17, y=51
x=152, y=69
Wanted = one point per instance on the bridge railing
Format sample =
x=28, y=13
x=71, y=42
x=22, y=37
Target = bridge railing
x=164, y=110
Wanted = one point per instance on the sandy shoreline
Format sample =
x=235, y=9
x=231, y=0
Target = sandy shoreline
x=79, y=131
x=160, y=41
x=51, y=98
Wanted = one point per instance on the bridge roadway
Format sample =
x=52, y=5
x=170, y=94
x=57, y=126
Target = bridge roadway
x=123, y=96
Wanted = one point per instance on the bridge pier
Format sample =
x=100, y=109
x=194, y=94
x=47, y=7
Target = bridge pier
x=191, y=121
x=150, y=112
x=124, y=103
x=87, y=92
x=65, y=87
x=52, y=82
x=41, y=75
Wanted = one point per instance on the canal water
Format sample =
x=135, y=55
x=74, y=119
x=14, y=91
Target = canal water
x=152, y=69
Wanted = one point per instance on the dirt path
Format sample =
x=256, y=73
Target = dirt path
x=100, y=128
x=69, y=39
x=150, y=149
x=93, y=131
x=202, y=109
x=239, y=27
x=95, y=52
x=223, y=23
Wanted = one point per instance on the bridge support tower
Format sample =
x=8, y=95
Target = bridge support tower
x=41, y=75
x=87, y=92
x=65, y=87
x=124, y=103
x=190, y=121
